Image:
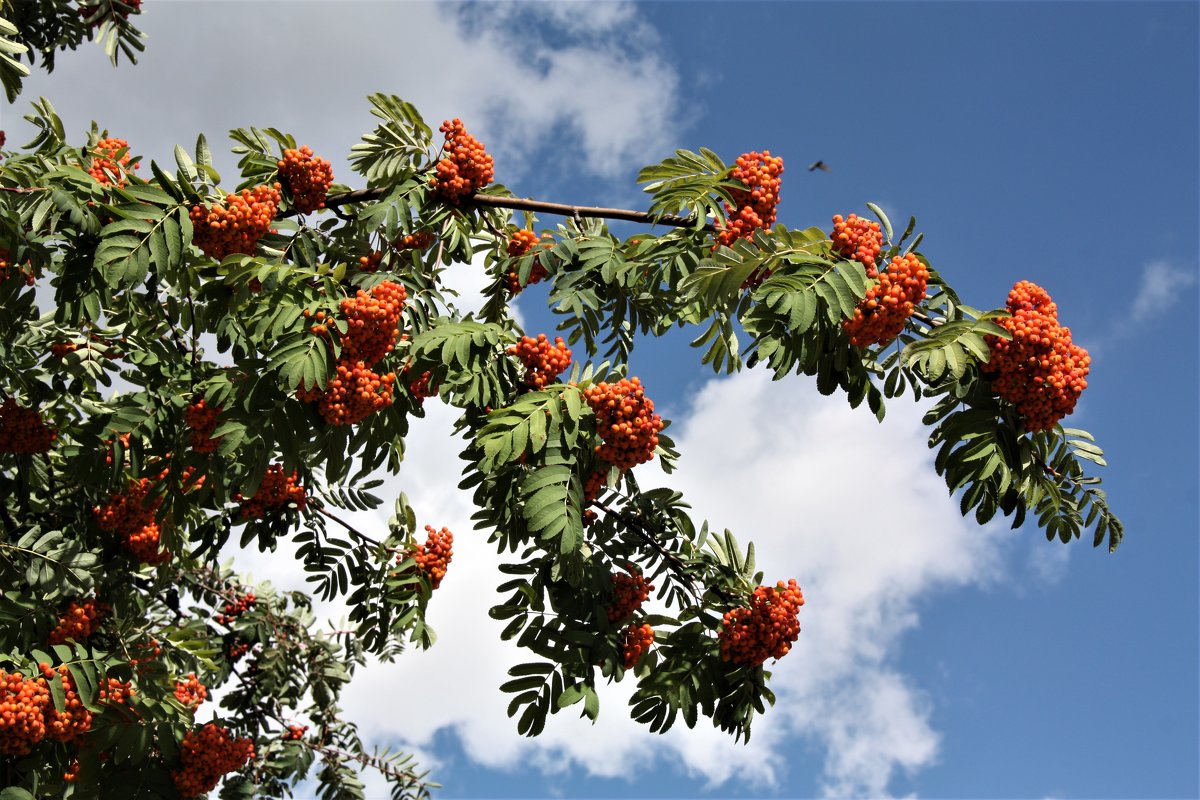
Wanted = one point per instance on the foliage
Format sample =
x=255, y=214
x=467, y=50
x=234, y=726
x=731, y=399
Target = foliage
x=183, y=405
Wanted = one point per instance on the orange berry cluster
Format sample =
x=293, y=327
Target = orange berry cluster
x=466, y=169
x=522, y=242
x=421, y=240
x=374, y=322
x=434, y=556
x=638, y=639
x=543, y=361
x=294, y=733
x=71, y=773
x=764, y=630
x=116, y=693
x=753, y=208
x=105, y=168
x=307, y=177
x=276, y=492
x=235, y=608
x=74, y=720
x=130, y=516
x=202, y=419
x=355, y=393
x=882, y=314
x=857, y=239
x=23, y=431
x=594, y=485
x=190, y=692
x=625, y=420
x=1040, y=370
x=237, y=650
x=23, y=706
x=79, y=621
x=629, y=592
x=370, y=262
x=420, y=388
x=235, y=223
x=6, y=266
x=205, y=755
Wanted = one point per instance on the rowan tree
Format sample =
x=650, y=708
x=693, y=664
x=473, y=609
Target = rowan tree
x=272, y=337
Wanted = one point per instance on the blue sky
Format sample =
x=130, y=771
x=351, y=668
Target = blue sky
x=1049, y=142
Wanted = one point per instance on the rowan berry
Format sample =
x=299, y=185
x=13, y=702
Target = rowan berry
x=1040, y=370
x=354, y=393
x=206, y=754
x=130, y=516
x=79, y=621
x=522, y=242
x=543, y=361
x=235, y=608
x=638, y=639
x=8, y=269
x=22, y=430
x=630, y=590
x=71, y=773
x=115, y=692
x=236, y=222
x=294, y=733
x=420, y=388
x=202, y=419
x=753, y=208
x=275, y=494
x=74, y=720
x=625, y=421
x=23, y=705
x=237, y=649
x=419, y=240
x=106, y=168
x=373, y=320
x=307, y=177
x=882, y=314
x=190, y=692
x=766, y=629
x=370, y=262
x=857, y=239
x=466, y=167
x=434, y=556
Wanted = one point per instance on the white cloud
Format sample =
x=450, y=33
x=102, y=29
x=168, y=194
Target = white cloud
x=1162, y=286
x=601, y=103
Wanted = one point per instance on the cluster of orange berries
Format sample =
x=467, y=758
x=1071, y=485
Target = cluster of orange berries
x=130, y=516
x=202, y=419
x=23, y=706
x=638, y=639
x=235, y=223
x=374, y=322
x=1040, y=370
x=370, y=262
x=27, y=714
x=235, y=608
x=205, y=755
x=629, y=592
x=355, y=393
x=276, y=492
x=105, y=167
x=882, y=314
x=190, y=691
x=421, y=240
x=420, y=388
x=434, y=556
x=857, y=239
x=625, y=420
x=543, y=361
x=373, y=325
x=307, y=178
x=522, y=242
x=766, y=629
x=74, y=720
x=7, y=269
x=753, y=208
x=23, y=431
x=466, y=169
x=237, y=649
x=294, y=733
x=79, y=621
